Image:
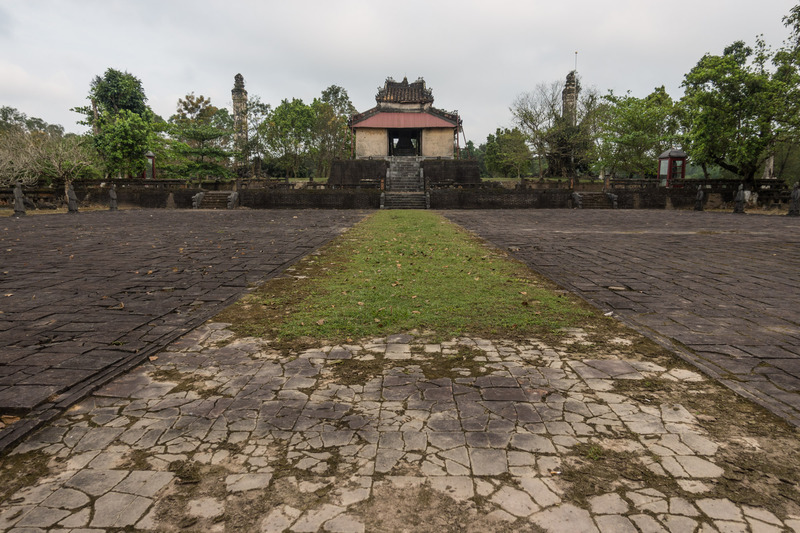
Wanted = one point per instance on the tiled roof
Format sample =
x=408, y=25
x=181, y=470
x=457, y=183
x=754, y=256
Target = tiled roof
x=405, y=120
x=402, y=92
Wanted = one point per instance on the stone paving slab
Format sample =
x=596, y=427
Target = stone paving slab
x=85, y=297
x=725, y=287
x=215, y=436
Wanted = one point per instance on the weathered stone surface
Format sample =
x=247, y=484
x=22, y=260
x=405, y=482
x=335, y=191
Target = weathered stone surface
x=595, y=258
x=158, y=272
x=565, y=518
x=332, y=450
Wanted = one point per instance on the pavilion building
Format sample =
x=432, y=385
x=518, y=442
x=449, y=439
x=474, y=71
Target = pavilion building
x=404, y=123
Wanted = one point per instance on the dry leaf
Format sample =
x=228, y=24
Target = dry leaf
x=153, y=357
x=414, y=312
x=120, y=306
x=377, y=320
x=523, y=293
x=320, y=321
x=360, y=303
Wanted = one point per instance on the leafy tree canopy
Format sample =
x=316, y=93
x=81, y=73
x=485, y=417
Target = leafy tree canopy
x=635, y=131
x=737, y=108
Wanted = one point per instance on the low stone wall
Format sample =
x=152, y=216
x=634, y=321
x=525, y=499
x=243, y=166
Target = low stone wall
x=499, y=199
x=310, y=198
x=451, y=171
x=352, y=172
x=340, y=198
x=138, y=197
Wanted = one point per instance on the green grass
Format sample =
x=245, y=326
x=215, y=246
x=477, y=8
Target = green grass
x=398, y=271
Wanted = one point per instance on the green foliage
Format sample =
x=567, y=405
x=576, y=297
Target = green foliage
x=470, y=151
x=507, y=153
x=330, y=135
x=200, y=139
x=289, y=133
x=635, y=131
x=122, y=124
x=737, y=110
x=195, y=109
x=123, y=139
x=12, y=120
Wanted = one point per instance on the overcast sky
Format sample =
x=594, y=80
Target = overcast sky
x=477, y=56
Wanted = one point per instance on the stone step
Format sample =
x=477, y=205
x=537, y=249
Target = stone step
x=407, y=200
x=215, y=200
x=595, y=200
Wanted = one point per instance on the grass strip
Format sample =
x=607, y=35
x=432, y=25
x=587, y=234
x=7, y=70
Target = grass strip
x=399, y=271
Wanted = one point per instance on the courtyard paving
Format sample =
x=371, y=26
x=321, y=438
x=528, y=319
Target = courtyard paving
x=721, y=289
x=85, y=297
x=215, y=432
x=226, y=434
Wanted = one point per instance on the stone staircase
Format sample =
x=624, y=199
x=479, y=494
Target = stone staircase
x=595, y=200
x=405, y=187
x=405, y=200
x=215, y=200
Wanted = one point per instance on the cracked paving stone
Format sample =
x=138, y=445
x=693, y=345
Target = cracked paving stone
x=279, y=428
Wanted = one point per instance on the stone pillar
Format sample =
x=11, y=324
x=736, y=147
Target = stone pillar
x=239, y=96
x=569, y=99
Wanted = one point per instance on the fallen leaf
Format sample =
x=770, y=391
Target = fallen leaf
x=153, y=358
x=120, y=306
x=360, y=303
x=377, y=320
x=320, y=321
x=414, y=312
x=523, y=293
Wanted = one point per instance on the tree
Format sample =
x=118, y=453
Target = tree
x=563, y=145
x=634, y=131
x=330, y=135
x=122, y=141
x=13, y=120
x=536, y=113
x=33, y=151
x=507, y=153
x=288, y=132
x=256, y=148
x=122, y=123
x=61, y=160
x=201, y=136
x=737, y=111
x=197, y=109
x=470, y=151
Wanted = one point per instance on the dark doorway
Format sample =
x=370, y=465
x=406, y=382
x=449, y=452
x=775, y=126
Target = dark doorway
x=405, y=142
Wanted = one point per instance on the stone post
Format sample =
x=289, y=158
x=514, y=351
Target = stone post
x=239, y=96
